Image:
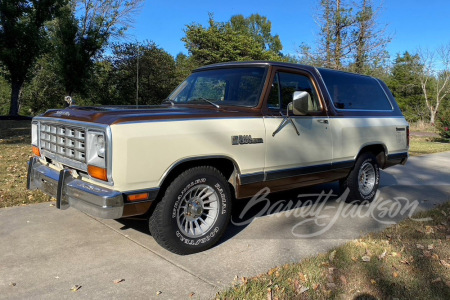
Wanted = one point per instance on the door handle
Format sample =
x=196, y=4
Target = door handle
x=323, y=121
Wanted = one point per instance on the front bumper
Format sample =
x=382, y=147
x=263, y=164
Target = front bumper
x=71, y=192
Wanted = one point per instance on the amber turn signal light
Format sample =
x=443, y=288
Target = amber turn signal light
x=98, y=173
x=138, y=197
x=36, y=151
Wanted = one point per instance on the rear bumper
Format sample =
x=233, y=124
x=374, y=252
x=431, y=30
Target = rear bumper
x=396, y=159
x=71, y=192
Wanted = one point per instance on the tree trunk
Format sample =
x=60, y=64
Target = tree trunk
x=16, y=88
x=432, y=117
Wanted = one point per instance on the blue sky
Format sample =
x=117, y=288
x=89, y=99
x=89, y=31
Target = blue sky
x=412, y=23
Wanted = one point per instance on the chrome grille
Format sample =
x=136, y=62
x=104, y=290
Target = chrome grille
x=64, y=140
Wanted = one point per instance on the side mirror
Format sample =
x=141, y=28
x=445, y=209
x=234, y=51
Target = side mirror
x=300, y=102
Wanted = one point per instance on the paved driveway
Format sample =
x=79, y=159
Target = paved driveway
x=45, y=252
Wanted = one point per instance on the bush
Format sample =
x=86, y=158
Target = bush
x=443, y=124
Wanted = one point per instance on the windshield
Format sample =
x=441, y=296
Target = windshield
x=234, y=86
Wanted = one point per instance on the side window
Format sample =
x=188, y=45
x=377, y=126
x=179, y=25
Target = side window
x=352, y=91
x=284, y=86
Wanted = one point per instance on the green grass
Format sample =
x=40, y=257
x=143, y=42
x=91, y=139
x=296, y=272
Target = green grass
x=410, y=260
x=425, y=145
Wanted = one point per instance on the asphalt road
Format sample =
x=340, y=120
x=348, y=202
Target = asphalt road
x=45, y=252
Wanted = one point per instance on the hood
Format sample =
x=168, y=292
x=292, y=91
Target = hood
x=122, y=114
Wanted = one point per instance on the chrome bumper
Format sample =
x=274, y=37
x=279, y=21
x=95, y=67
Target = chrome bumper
x=70, y=192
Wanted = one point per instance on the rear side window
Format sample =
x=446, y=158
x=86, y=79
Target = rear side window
x=355, y=92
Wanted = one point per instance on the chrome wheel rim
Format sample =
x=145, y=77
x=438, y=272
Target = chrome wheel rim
x=198, y=211
x=366, y=178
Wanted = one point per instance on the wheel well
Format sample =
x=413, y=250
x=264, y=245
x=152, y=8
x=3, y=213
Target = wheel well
x=379, y=151
x=224, y=165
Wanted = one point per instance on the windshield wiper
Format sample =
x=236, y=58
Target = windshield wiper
x=172, y=103
x=206, y=100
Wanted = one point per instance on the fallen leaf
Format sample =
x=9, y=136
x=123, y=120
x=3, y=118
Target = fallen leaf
x=429, y=230
x=435, y=256
x=405, y=262
x=303, y=289
x=395, y=274
x=354, y=259
x=316, y=286
x=426, y=253
x=372, y=281
x=343, y=280
x=332, y=255
x=119, y=281
x=382, y=255
x=419, y=246
x=430, y=247
x=158, y=293
x=365, y=258
x=331, y=271
x=75, y=288
x=299, y=288
x=331, y=285
x=436, y=280
x=444, y=263
x=302, y=277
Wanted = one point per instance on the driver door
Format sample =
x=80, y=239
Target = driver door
x=303, y=149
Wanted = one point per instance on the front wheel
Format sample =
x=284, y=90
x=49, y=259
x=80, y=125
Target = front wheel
x=363, y=180
x=194, y=212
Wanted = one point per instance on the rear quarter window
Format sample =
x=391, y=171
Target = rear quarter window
x=355, y=92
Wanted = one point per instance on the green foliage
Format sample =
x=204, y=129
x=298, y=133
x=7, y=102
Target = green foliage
x=5, y=93
x=260, y=28
x=116, y=76
x=82, y=33
x=405, y=85
x=238, y=40
x=23, y=36
x=184, y=65
x=443, y=124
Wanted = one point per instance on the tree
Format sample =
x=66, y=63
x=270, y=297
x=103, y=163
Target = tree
x=335, y=21
x=370, y=41
x=258, y=27
x=83, y=32
x=405, y=86
x=435, y=78
x=135, y=69
x=349, y=37
x=22, y=39
x=222, y=42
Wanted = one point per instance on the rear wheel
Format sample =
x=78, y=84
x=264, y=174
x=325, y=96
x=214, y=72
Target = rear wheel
x=194, y=212
x=363, y=180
